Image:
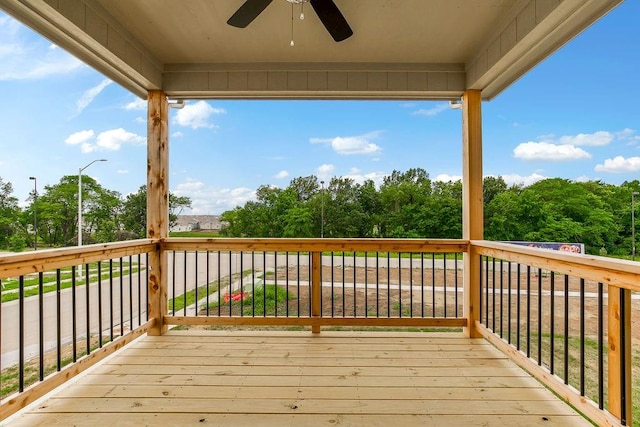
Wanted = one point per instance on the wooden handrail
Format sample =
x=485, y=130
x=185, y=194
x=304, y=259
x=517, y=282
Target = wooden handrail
x=609, y=271
x=311, y=245
x=50, y=259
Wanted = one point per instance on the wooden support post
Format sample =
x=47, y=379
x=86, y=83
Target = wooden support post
x=157, y=205
x=619, y=354
x=472, y=212
x=316, y=287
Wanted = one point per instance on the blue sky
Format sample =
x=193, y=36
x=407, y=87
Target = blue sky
x=575, y=116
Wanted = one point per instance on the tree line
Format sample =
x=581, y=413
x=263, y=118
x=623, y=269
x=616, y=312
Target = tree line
x=107, y=215
x=406, y=205
x=411, y=205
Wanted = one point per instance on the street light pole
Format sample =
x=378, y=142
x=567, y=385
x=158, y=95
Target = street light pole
x=322, y=211
x=633, y=224
x=80, y=205
x=35, y=212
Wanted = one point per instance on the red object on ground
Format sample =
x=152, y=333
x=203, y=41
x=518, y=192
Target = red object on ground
x=237, y=296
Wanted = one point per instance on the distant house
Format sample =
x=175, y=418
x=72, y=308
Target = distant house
x=210, y=223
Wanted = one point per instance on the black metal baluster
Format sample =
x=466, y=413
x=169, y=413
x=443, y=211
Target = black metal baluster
x=139, y=289
x=100, y=304
x=208, y=287
x=566, y=329
x=400, y=284
x=481, y=287
x=21, y=336
x=241, y=283
x=539, y=316
x=74, y=328
x=184, y=285
x=444, y=282
x=377, y=284
x=501, y=298
x=518, y=282
x=220, y=281
x=528, y=311
x=410, y=284
x=231, y=286
x=195, y=289
x=582, y=331
x=88, y=314
x=111, y=300
x=173, y=283
x=552, y=317
x=600, y=348
x=130, y=295
x=41, y=323
x=422, y=284
x=58, y=320
x=121, y=298
x=509, y=302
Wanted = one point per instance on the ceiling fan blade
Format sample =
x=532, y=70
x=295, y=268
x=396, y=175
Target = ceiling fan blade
x=248, y=12
x=332, y=19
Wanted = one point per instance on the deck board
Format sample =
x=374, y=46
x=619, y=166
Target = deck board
x=295, y=378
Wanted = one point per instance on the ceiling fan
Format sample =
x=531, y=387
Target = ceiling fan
x=327, y=11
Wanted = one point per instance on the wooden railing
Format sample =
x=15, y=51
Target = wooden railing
x=64, y=310
x=566, y=318
x=520, y=296
x=315, y=282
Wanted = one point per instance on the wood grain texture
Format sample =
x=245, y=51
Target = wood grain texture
x=299, y=378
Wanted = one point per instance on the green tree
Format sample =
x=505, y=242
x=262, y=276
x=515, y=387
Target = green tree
x=9, y=214
x=133, y=214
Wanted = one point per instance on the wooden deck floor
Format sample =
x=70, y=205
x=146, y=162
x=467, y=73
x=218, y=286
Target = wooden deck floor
x=293, y=378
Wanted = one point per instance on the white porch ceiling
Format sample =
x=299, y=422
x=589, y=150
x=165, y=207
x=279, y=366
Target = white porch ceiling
x=409, y=49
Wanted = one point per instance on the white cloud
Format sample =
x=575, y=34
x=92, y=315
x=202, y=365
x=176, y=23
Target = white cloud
x=210, y=200
x=122, y=171
x=281, y=175
x=22, y=60
x=515, y=179
x=433, y=111
x=89, y=95
x=582, y=178
x=589, y=139
x=443, y=177
x=110, y=140
x=79, y=137
x=619, y=164
x=325, y=171
x=358, y=177
x=115, y=138
x=549, y=152
x=137, y=104
x=197, y=115
x=351, y=144
x=177, y=134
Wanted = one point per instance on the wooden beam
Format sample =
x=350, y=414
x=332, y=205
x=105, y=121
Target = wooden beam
x=434, y=322
x=619, y=354
x=157, y=204
x=472, y=212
